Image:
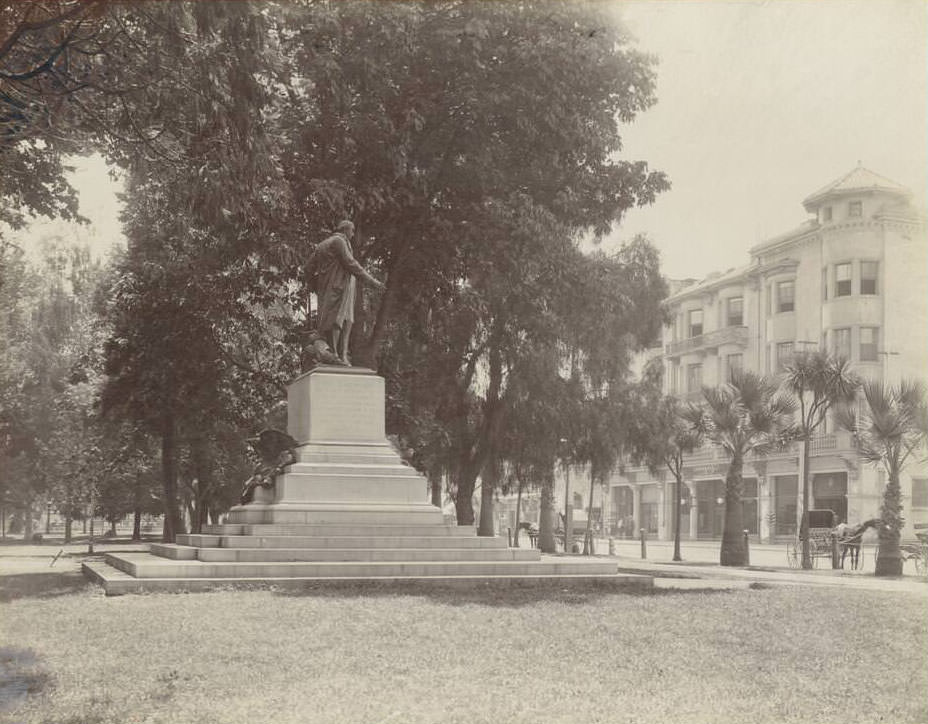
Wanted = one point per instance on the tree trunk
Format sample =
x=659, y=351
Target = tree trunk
x=172, y=522
x=67, y=527
x=804, y=520
x=27, y=522
x=678, y=489
x=888, y=555
x=486, y=507
x=486, y=452
x=732, y=553
x=113, y=528
x=546, y=542
x=463, y=502
x=435, y=488
x=515, y=540
x=137, y=525
x=203, y=470
x=588, y=536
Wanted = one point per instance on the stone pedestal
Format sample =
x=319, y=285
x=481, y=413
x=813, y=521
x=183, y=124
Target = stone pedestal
x=346, y=469
x=336, y=405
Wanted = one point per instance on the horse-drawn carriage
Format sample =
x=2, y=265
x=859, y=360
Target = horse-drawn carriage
x=821, y=524
x=837, y=542
x=917, y=552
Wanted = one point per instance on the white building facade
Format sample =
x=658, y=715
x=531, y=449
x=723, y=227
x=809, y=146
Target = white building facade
x=852, y=279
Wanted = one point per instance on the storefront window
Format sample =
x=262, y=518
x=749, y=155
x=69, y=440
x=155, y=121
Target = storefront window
x=650, y=500
x=829, y=492
x=785, y=489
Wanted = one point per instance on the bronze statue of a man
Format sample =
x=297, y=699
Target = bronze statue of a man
x=332, y=273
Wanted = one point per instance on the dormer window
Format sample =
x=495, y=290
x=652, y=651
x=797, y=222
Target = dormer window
x=855, y=209
x=826, y=213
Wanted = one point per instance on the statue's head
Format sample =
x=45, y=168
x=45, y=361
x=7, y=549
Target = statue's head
x=345, y=227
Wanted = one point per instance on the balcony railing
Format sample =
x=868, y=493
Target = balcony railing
x=822, y=444
x=728, y=335
x=831, y=441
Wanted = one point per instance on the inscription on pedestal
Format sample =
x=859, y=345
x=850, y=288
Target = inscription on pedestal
x=336, y=407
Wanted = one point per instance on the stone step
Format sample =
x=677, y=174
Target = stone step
x=173, y=551
x=338, y=470
x=315, y=455
x=273, y=555
x=334, y=530
x=377, y=513
x=144, y=565
x=116, y=582
x=355, y=541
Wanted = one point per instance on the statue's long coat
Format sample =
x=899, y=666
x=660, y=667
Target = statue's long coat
x=331, y=271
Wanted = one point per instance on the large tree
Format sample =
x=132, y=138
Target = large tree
x=48, y=332
x=891, y=430
x=746, y=415
x=616, y=313
x=196, y=286
x=661, y=437
x=420, y=120
x=820, y=383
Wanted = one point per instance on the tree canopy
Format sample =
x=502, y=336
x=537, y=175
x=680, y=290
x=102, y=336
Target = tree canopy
x=474, y=145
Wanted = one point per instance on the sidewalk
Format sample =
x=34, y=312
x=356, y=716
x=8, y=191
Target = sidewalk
x=17, y=557
x=698, y=570
x=769, y=566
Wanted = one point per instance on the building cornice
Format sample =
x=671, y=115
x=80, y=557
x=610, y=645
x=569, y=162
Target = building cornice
x=780, y=266
x=708, y=287
x=870, y=223
x=783, y=241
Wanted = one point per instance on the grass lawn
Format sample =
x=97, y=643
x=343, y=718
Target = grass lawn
x=749, y=656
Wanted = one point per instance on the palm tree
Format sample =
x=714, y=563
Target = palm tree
x=820, y=382
x=746, y=415
x=660, y=436
x=892, y=428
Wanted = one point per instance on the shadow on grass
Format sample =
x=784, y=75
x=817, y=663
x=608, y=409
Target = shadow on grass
x=41, y=585
x=20, y=676
x=490, y=595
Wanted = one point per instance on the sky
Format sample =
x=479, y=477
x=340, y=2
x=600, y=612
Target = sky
x=97, y=195
x=762, y=103
x=759, y=105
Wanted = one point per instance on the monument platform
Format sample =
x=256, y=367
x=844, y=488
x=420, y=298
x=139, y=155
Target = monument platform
x=349, y=510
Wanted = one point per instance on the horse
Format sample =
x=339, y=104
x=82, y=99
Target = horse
x=532, y=531
x=849, y=538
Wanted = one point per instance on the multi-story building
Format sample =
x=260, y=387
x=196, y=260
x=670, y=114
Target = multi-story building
x=852, y=280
